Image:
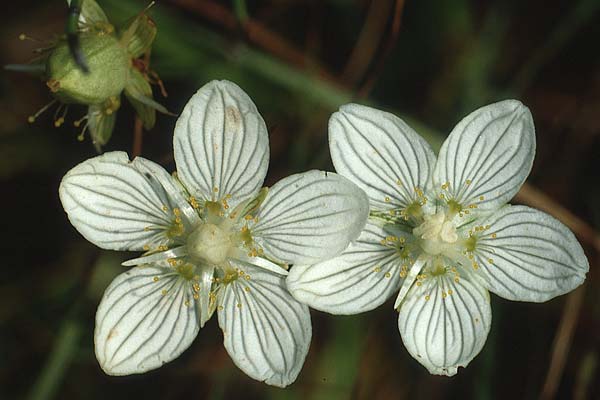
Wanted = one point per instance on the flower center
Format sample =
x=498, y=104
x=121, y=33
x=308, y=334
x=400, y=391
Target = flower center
x=210, y=243
x=437, y=233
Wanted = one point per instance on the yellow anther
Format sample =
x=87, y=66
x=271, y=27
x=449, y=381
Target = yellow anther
x=457, y=279
x=193, y=202
x=387, y=199
x=239, y=305
x=220, y=308
x=427, y=298
x=377, y=269
x=399, y=182
x=494, y=236
x=468, y=182
x=215, y=189
x=449, y=291
x=196, y=296
x=165, y=208
x=481, y=198
x=164, y=292
x=146, y=247
x=155, y=279
x=247, y=289
x=490, y=261
x=388, y=275
x=187, y=303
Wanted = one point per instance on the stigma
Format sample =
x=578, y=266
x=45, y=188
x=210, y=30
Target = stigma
x=210, y=243
x=437, y=233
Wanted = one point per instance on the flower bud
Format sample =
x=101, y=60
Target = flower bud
x=108, y=63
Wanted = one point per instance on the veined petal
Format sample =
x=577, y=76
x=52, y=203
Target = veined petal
x=488, y=156
x=360, y=279
x=381, y=154
x=265, y=330
x=146, y=318
x=444, y=322
x=527, y=255
x=221, y=144
x=310, y=217
x=119, y=204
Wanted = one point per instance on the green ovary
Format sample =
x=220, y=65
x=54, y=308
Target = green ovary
x=108, y=63
x=210, y=243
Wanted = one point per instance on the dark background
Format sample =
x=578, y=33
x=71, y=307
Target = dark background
x=429, y=61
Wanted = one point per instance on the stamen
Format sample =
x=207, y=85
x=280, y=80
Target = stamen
x=23, y=37
x=60, y=120
x=31, y=119
x=77, y=123
x=81, y=136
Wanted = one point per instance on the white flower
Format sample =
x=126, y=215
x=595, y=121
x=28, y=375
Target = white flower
x=214, y=240
x=440, y=232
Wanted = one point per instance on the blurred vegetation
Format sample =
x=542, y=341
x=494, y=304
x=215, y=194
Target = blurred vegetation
x=430, y=61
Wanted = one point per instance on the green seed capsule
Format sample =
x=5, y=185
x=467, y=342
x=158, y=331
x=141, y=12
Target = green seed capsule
x=108, y=63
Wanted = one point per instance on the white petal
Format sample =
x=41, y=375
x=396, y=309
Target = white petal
x=534, y=256
x=221, y=144
x=310, y=217
x=445, y=331
x=488, y=154
x=381, y=154
x=119, y=204
x=145, y=319
x=360, y=279
x=265, y=330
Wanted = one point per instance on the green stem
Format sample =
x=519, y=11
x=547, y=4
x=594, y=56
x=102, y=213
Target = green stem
x=58, y=362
